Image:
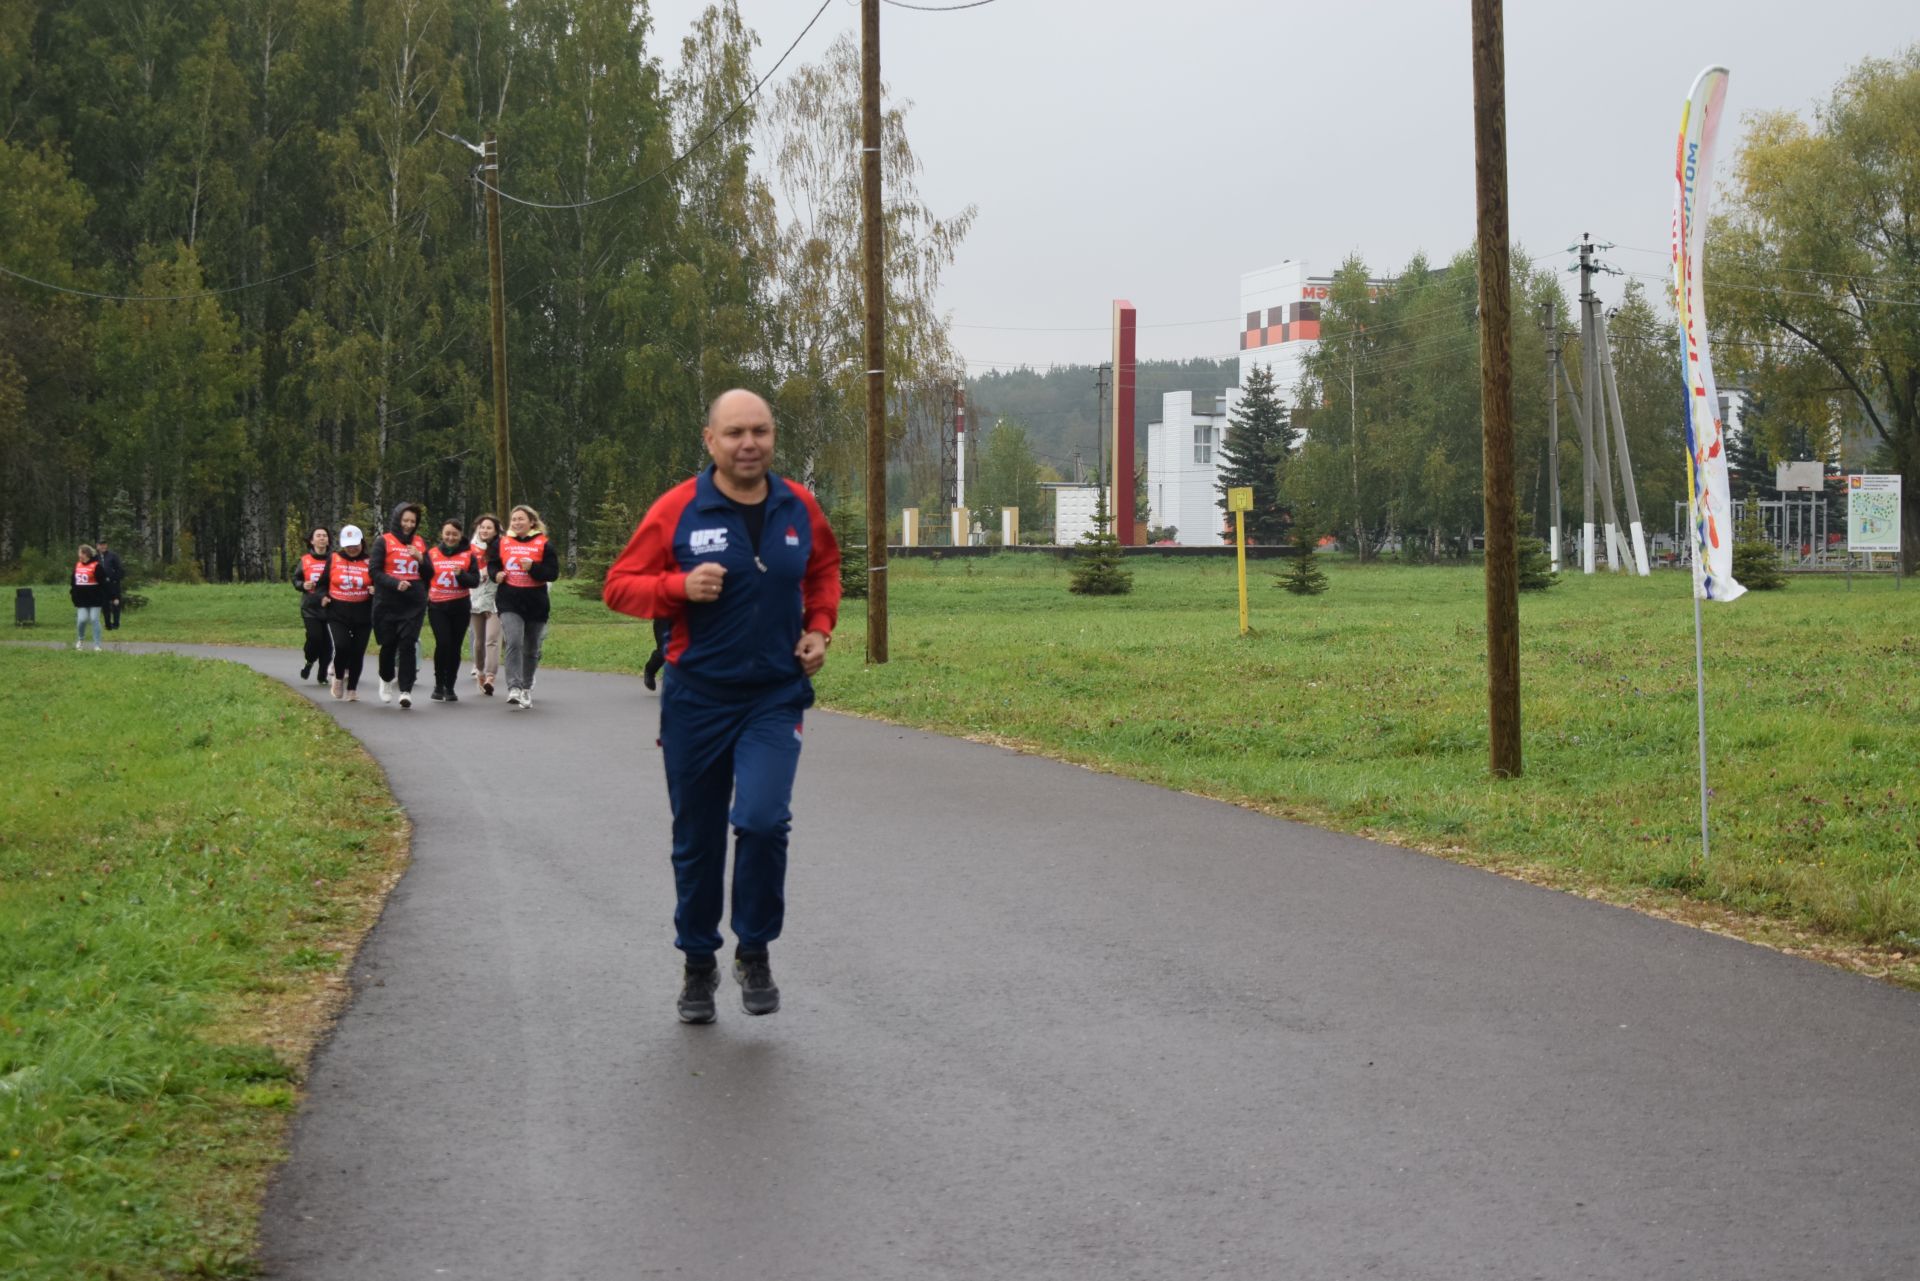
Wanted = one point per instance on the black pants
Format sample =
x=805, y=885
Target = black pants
x=319, y=642
x=399, y=637
x=110, y=608
x=350, y=637
x=449, y=621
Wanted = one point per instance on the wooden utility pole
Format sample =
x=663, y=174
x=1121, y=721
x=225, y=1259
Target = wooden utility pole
x=1550, y=324
x=1496, y=389
x=873, y=252
x=497, y=297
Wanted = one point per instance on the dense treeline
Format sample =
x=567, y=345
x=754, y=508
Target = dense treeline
x=263, y=271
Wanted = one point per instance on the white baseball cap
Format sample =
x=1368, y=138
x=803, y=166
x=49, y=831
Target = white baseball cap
x=350, y=536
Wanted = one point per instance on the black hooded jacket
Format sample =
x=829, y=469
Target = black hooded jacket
x=385, y=554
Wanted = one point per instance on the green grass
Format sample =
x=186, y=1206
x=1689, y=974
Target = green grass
x=188, y=850
x=1365, y=710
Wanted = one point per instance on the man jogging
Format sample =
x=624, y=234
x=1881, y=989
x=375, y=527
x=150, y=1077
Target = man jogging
x=744, y=566
x=398, y=561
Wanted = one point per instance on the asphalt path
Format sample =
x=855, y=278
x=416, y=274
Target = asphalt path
x=1039, y=1022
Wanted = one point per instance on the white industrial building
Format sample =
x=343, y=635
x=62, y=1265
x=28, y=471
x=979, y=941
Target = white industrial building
x=1182, y=463
x=1281, y=305
x=1074, y=510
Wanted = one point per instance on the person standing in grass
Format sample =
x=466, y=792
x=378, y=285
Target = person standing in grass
x=348, y=602
x=113, y=577
x=744, y=565
x=453, y=572
x=399, y=601
x=522, y=562
x=486, y=613
x=307, y=580
x=89, y=595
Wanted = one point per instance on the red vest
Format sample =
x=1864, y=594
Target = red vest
x=350, y=581
x=311, y=567
x=520, y=555
x=86, y=573
x=446, y=586
x=403, y=559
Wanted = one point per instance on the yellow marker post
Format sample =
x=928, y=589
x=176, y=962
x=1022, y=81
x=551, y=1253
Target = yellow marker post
x=1240, y=502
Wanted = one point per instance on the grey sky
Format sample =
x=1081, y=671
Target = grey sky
x=1154, y=151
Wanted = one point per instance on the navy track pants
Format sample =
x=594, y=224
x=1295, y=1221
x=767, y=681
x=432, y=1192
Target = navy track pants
x=730, y=763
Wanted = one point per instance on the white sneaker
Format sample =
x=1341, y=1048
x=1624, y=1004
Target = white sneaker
x=406, y=698
x=339, y=687
x=96, y=647
x=77, y=647
x=386, y=691
x=513, y=698
x=526, y=698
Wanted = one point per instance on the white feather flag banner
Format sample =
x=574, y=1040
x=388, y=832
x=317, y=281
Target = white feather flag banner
x=1708, y=498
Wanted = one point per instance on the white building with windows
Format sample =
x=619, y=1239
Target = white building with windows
x=1281, y=305
x=1183, y=463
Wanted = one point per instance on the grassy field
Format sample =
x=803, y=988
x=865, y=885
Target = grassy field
x=189, y=856
x=1364, y=710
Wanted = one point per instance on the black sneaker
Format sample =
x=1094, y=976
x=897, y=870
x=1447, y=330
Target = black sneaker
x=451, y=696
x=696, y=994
x=754, y=974
x=305, y=670
x=439, y=694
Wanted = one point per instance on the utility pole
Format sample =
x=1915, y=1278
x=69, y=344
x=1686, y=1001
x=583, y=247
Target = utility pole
x=873, y=251
x=1496, y=389
x=1550, y=325
x=1100, y=453
x=1612, y=386
x=489, y=153
x=1594, y=405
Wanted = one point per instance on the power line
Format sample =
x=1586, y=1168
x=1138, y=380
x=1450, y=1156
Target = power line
x=232, y=289
x=937, y=8
x=698, y=143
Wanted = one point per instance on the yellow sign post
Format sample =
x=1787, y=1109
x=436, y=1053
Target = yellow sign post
x=1240, y=502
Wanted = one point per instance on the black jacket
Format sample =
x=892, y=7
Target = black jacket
x=467, y=578
x=531, y=603
x=388, y=600
x=357, y=613
x=112, y=572
x=94, y=594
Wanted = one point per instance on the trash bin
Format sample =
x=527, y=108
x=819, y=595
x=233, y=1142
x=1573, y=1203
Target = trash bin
x=23, y=607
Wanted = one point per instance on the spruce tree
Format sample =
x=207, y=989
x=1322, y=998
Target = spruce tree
x=1756, y=562
x=612, y=526
x=850, y=529
x=1304, y=576
x=1536, y=564
x=1253, y=455
x=1097, y=569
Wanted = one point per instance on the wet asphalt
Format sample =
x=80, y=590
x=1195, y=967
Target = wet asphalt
x=1043, y=1023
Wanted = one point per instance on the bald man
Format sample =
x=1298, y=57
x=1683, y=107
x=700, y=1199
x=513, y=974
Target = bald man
x=744, y=567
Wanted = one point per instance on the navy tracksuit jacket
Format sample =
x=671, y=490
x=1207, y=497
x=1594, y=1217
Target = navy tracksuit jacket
x=733, y=705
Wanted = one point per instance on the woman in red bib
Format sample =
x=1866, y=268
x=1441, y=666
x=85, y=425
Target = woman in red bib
x=348, y=602
x=306, y=580
x=89, y=595
x=453, y=571
x=523, y=562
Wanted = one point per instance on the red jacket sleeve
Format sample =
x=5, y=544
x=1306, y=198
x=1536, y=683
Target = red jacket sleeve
x=646, y=581
x=820, y=591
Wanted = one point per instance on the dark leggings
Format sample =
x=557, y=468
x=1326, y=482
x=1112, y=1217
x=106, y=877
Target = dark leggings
x=350, y=638
x=449, y=621
x=399, y=637
x=319, y=642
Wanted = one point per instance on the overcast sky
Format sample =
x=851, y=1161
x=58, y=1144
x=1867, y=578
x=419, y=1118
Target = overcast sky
x=1156, y=149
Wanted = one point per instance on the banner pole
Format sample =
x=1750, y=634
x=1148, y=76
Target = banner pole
x=1700, y=701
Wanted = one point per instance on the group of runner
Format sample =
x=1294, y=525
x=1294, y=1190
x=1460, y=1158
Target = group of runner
x=487, y=580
